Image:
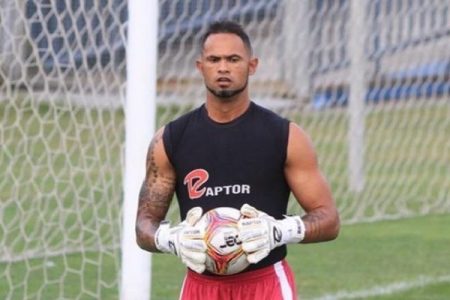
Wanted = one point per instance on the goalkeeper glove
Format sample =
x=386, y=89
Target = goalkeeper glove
x=261, y=233
x=184, y=240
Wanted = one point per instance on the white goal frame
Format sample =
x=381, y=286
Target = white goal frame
x=139, y=110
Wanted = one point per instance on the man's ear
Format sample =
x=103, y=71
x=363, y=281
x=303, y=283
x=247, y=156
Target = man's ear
x=253, y=65
x=199, y=64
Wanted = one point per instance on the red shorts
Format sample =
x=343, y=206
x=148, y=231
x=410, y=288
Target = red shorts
x=275, y=282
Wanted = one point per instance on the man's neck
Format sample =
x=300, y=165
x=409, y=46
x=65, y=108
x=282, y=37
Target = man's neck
x=226, y=111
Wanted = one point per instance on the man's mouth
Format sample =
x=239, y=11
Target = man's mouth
x=223, y=80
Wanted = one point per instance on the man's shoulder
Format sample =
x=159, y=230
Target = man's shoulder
x=176, y=128
x=185, y=117
x=269, y=114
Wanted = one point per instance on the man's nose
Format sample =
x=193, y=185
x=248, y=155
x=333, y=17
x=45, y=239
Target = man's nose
x=223, y=66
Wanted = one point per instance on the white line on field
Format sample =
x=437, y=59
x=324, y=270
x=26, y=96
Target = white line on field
x=386, y=289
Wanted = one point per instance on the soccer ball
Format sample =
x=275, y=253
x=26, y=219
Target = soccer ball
x=224, y=254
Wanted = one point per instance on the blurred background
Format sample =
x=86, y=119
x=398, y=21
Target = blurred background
x=368, y=80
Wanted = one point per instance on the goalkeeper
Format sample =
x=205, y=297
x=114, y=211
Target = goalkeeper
x=232, y=152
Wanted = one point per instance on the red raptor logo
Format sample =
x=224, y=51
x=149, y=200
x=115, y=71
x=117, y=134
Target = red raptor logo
x=200, y=176
x=196, y=179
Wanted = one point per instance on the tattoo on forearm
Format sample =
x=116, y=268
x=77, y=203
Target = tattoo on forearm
x=152, y=200
x=315, y=225
x=155, y=194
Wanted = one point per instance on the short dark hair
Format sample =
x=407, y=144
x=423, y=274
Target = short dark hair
x=226, y=26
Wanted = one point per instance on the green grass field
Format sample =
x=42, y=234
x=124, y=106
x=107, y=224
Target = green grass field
x=61, y=190
x=366, y=259
x=402, y=259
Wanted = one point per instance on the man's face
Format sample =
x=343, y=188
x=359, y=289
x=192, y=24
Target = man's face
x=226, y=64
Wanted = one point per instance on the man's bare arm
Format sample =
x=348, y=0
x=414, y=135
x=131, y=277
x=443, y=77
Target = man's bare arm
x=310, y=188
x=156, y=193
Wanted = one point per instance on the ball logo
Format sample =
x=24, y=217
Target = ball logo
x=194, y=181
x=230, y=241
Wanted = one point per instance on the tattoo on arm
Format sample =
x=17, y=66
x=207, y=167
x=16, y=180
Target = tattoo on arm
x=314, y=222
x=154, y=198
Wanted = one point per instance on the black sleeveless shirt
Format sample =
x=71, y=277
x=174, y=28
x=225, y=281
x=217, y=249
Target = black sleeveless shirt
x=229, y=164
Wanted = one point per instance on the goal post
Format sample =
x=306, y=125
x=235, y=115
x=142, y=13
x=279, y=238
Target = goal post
x=140, y=124
x=358, y=89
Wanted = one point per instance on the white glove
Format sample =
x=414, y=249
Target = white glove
x=261, y=233
x=184, y=240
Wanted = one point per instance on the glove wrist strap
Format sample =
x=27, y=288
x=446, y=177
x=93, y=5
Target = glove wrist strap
x=162, y=235
x=293, y=230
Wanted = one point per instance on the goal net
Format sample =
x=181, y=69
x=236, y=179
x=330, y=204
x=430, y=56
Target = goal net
x=62, y=76
x=368, y=80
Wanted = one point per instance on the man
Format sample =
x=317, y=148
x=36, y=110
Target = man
x=254, y=159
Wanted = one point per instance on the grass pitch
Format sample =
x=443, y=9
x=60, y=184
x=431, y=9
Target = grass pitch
x=384, y=260
x=60, y=199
